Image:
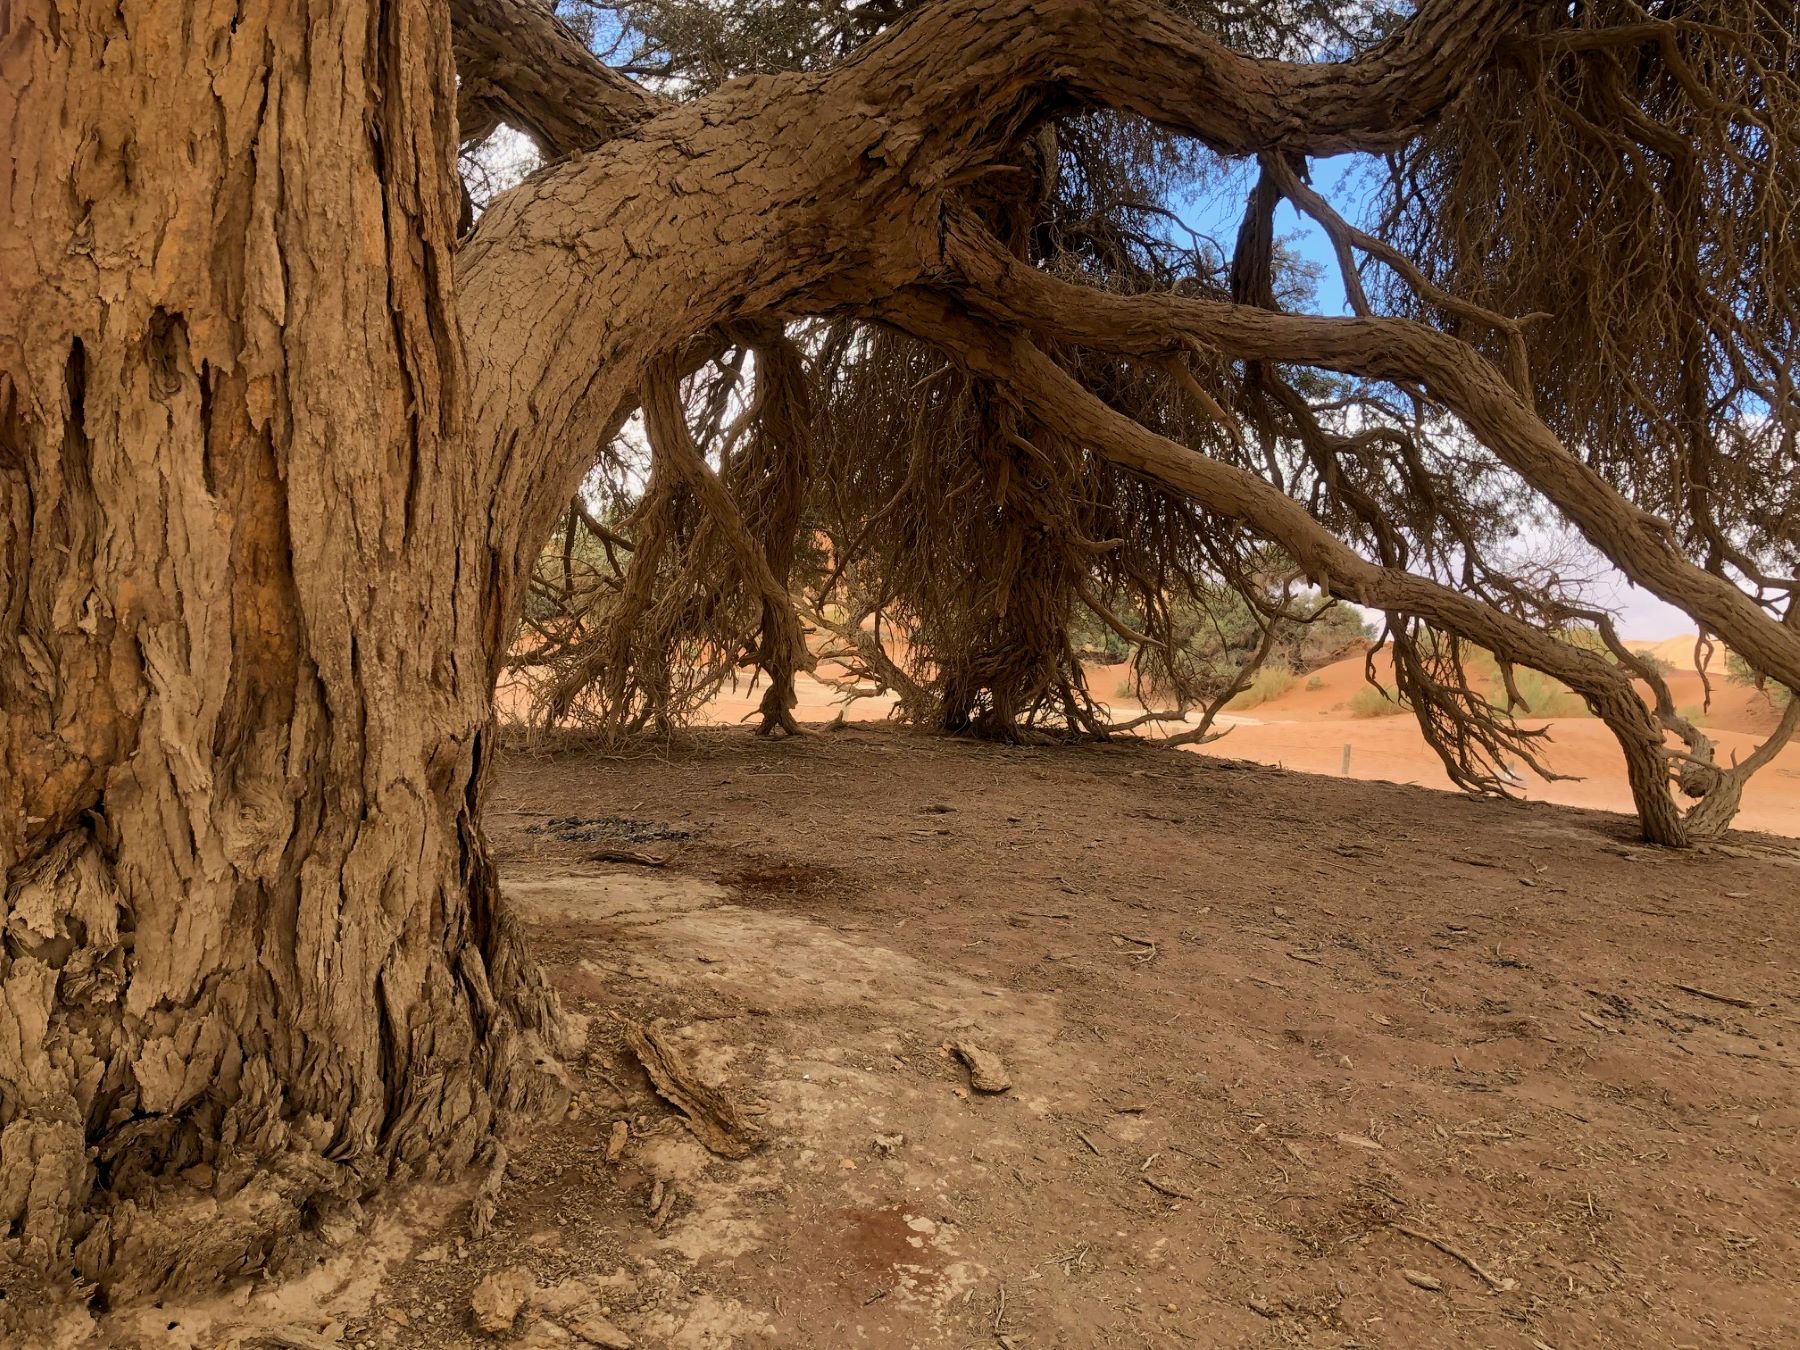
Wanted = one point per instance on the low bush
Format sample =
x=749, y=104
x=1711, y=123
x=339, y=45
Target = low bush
x=1370, y=701
x=1271, y=682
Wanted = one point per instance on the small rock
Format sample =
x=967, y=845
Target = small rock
x=497, y=1299
x=596, y=1330
x=986, y=1072
x=542, y=1335
x=615, y=1146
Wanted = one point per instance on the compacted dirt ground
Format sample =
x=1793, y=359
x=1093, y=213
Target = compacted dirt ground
x=1294, y=1061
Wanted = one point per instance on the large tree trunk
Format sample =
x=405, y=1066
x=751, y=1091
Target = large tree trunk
x=252, y=963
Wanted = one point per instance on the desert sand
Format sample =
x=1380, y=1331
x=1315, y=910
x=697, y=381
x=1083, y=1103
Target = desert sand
x=1308, y=728
x=1253, y=1088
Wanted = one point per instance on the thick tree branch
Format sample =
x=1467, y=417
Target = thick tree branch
x=811, y=192
x=1228, y=491
x=517, y=63
x=1137, y=56
x=1402, y=351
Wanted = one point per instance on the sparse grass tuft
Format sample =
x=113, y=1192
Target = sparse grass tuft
x=1372, y=702
x=1271, y=682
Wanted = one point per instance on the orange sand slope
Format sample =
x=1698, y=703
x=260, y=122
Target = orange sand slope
x=1309, y=727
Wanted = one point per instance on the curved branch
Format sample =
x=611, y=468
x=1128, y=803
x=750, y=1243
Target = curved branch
x=809, y=192
x=1138, y=56
x=517, y=63
x=1401, y=351
x=1237, y=494
x=783, y=648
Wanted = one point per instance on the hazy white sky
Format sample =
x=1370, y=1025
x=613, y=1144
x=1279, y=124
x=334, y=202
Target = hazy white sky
x=1642, y=617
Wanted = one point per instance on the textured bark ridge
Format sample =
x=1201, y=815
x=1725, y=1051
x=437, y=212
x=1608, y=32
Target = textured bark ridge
x=252, y=964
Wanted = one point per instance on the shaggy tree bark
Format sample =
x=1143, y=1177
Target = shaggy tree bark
x=253, y=965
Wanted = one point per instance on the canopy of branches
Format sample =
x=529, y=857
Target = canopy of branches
x=1599, y=218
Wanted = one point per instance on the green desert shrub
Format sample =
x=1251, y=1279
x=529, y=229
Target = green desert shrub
x=1545, y=697
x=1370, y=701
x=1271, y=682
x=1738, y=671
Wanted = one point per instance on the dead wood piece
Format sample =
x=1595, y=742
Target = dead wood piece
x=1732, y=999
x=291, y=1338
x=591, y=1327
x=667, y=1193
x=497, y=1300
x=1149, y=953
x=705, y=1110
x=1498, y=1284
x=637, y=857
x=1164, y=1188
x=986, y=1072
x=615, y=1144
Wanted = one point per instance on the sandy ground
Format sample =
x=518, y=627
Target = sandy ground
x=1309, y=727
x=1294, y=1061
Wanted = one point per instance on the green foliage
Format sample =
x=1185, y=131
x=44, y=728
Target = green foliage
x=1268, y=684
x=1316, y=683
x=1370, y=701
x=1740, y=671
x=1586, y=637
x=1216, y=637
x=1545, y=697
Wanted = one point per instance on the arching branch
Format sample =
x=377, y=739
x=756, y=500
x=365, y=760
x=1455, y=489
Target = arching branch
x=1406, y=352
x=517, y=63
x=1234, y=493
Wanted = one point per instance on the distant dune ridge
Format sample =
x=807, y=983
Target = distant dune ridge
x=1308, y=727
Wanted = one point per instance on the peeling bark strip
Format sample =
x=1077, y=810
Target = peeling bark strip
x=252, y=962
x=704, y=1110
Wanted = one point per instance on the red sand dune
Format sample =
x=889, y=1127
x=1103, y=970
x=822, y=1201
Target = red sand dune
x=1308, y=728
